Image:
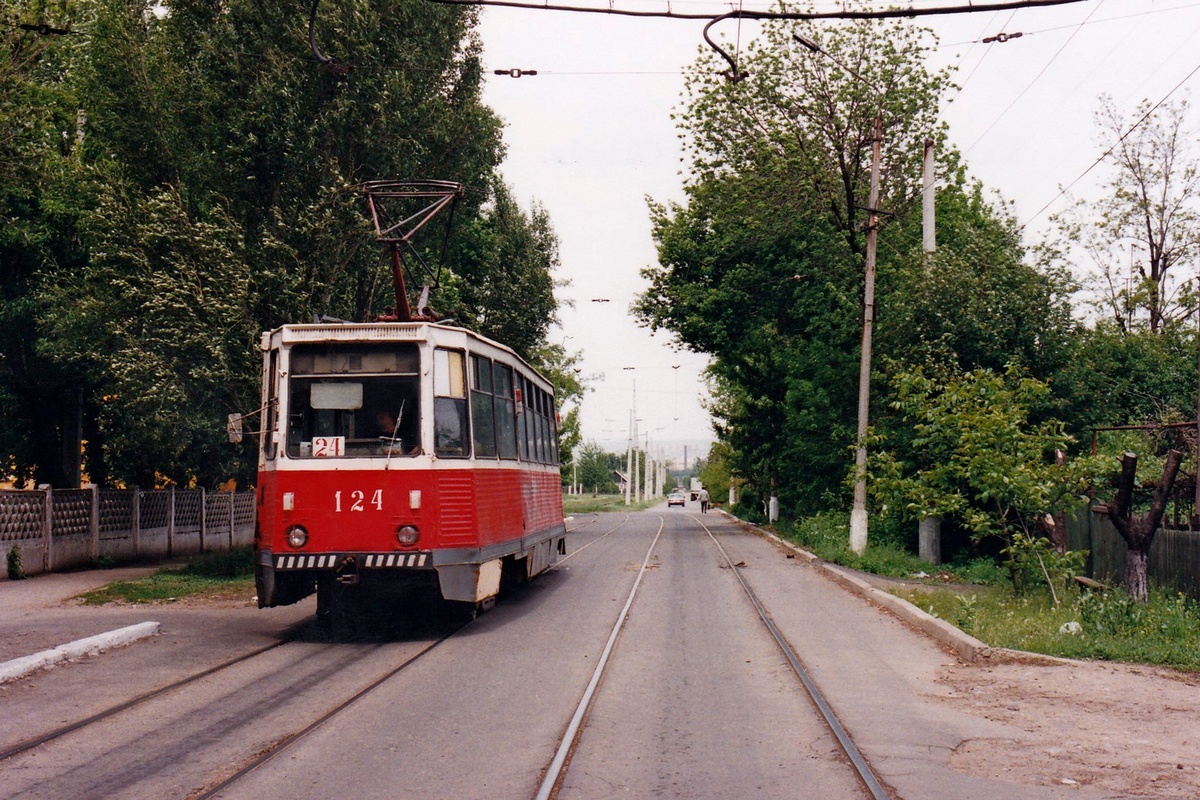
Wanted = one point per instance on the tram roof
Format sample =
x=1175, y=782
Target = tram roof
x=299, y=333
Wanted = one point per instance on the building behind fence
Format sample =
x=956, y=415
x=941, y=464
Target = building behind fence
x=59, y=529
x=1174, y=556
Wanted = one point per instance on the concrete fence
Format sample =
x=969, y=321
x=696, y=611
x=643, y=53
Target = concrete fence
x=59, y=529
x=1174, y=556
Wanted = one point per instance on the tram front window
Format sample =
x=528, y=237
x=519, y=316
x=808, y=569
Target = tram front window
x=353, y=415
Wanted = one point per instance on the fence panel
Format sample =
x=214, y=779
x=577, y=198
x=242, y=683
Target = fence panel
x=243, y=519
x=22, y=516
x=154, y=509
x=116, y=513
x=225, y=518
x=1174, y=556
x=189, y=510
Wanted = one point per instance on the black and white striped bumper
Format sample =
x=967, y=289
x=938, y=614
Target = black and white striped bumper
x=361, y=560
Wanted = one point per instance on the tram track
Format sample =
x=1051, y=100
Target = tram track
x=292, y=739
x=658, y=544
x=105, y=734
x=861, y=766
x=552, y=779
x=30, y=745
x=555, y=773
x=611, y=530
x=109, y=713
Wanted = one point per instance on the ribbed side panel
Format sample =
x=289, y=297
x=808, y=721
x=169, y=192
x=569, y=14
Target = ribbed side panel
x=543, y=500
x=456, y=511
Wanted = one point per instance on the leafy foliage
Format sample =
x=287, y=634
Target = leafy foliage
x=181, y=177
x=1145, y=228
x=979, y=455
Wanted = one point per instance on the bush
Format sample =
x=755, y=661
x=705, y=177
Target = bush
x=16, y=570
x=237, y=563
x=828, y=536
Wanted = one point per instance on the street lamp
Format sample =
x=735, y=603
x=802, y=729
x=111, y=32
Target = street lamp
x=629, y=449
x=858, y=512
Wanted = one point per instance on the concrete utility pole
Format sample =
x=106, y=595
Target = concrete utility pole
x=629, y=464
x=929, y=529
x=649, y=468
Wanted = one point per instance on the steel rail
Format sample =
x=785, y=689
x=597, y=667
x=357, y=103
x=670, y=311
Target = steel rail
x=865, y=774
x=291, y=739
x=37, y=741
x=568, y=741
x=593, y=541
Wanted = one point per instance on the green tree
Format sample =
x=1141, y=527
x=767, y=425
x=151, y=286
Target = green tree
x=185, y=178
x=508, y=253
x=596, y=466
x=1146, y=227
x=762, y=268
x=40, y=205
x=979, y=456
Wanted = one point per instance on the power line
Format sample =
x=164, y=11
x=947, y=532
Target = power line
x=1112, y=147
x=1035, y=79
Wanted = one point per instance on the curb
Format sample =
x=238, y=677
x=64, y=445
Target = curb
x=966, y=646
x=20, y=667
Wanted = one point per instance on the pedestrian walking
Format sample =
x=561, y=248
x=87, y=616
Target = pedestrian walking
x=703, y=501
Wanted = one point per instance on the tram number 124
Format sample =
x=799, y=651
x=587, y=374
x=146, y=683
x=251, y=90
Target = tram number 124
x=357, y=500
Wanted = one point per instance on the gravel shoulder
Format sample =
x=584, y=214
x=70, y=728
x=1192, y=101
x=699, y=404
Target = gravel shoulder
x=1123, y=730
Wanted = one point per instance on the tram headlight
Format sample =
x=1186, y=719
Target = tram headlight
x=407, y=534
x=297, y=537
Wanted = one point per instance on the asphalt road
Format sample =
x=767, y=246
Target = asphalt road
x=697, y=701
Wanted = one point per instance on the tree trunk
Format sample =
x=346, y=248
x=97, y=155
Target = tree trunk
x=1138, y=530
x=1137, y=584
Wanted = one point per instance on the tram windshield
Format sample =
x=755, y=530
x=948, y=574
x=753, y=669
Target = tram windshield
x=354, y=400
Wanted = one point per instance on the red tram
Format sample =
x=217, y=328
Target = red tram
x=401, y=455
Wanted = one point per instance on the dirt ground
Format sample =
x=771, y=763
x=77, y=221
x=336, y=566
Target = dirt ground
x=1130, y=731
x=1123, y=729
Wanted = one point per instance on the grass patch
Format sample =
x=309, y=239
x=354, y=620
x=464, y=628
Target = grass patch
x=1111, y=627
x=588, y=504
x=222, y=574
x=977, y=596
x=828, y=536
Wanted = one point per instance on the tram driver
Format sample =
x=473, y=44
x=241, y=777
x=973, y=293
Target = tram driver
x=398, y=432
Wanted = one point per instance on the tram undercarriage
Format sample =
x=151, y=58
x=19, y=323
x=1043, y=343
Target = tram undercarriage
x=365, y=585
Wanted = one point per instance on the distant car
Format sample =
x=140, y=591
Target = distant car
x=675, y=499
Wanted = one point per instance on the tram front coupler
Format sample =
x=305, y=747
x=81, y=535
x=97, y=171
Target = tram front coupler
x=346, y=572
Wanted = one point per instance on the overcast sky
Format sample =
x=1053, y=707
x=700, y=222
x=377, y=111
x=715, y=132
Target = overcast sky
x=590, y=137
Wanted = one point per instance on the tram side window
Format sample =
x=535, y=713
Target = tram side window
x=506, y=423
x=272, y=406
x=522, y=418
x=542, y=445
x=530, y=422
x=552, y=420
x=483, y=420
x=449, y=404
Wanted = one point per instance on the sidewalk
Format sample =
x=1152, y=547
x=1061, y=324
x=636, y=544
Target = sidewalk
x=37, y=613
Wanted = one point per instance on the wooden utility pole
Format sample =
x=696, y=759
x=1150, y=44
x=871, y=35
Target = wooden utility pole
x=858, y=514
